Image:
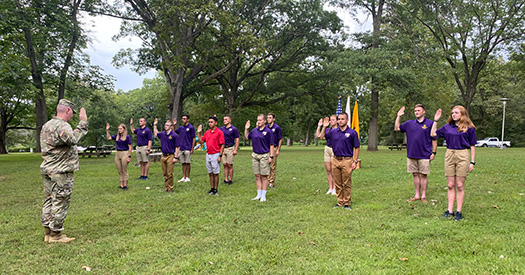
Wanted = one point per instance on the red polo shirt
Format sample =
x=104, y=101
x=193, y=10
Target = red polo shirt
x=214, y=139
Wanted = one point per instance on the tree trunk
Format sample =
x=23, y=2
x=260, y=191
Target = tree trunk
x=372, y=126
x=289, y=142
x=3, y=131
x=307, y=140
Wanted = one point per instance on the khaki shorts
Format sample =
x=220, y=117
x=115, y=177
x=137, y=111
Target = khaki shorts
x=141, y=153
x=260, y=164
x=328, y=154
x=184, y=157
x=227, y=155
x=456, y=163
x=421, y=166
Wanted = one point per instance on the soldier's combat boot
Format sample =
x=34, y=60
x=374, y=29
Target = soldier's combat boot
x=47, y=233
x=58, y=237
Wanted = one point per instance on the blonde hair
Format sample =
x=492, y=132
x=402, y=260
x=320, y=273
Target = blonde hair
x=124, y=135
x=464, y=122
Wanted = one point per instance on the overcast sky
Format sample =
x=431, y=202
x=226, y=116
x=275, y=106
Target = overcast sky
x=103, y=48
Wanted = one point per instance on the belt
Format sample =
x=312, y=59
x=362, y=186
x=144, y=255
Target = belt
x=341, y=158
x=122, y=150
x=228, y=146
x=167, y=154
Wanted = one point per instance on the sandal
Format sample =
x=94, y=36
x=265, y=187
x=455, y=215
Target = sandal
x=413, y=199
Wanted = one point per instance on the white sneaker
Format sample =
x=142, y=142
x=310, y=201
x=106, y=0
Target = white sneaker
x=329, y=192
x=181, y=180
x=187, y=180
x=256, y=198
x=333, y=192
x=263, y=199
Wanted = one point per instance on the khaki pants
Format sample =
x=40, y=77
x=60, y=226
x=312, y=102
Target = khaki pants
x=273, y=168
x=166, y=163
x=121, y=160
x=57, y=193
x=342, y=174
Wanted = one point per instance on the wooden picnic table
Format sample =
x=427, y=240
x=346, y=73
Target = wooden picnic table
x=97, y=151
x=397, y=146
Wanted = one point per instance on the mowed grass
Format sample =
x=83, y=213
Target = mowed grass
x=295, y=232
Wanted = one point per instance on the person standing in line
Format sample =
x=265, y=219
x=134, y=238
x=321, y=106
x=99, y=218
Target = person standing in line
x=231, y=145
x=421, y=148
x=169, y=144
x=345, y=143
x=186, y=134
x=60, y=160
x=460, y=134
x=263, y=154
x=328, y=152
x=123, y=155
x=277, y=142
x=144, y=139
x=214, y=139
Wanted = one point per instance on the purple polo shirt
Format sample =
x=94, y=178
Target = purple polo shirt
x=343, y=142
x=328, y=141
x=122, y=145
x=419, y=141
x=143, y=136
x=186, y=134
x=457, y=140
x=261, y=140
x=168, y=142
x=277, y=133
x=230, y=134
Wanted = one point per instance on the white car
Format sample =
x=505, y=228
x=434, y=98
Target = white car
x=492, y=142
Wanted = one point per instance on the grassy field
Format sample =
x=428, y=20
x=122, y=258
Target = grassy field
x=295, y=232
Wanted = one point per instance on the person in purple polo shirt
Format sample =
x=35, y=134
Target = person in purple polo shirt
x=328, y=152
x=421, y=148
x=460, y=134
x=345, y=144
x=231, y=145
x=144, y=138
x=277, y=142
x=186, y=134
x=169, y=144
x=263, y=154
x=123, y=155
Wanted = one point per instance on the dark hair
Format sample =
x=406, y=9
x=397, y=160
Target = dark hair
x=228, y=116
x=271, y=114
x=213, y=117
x=343, y=113
x=185, y=115
x=420, y=105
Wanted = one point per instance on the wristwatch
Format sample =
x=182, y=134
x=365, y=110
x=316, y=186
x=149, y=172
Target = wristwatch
x=473, y=163
x=434, y=153
x=356, y=161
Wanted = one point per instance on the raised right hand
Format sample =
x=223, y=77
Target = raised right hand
x=326, y=122
x=199, y=129
x=107, y=126
x=82, y=115
x=247, y=126
x=401, y=111
x=437, y=116
x=131, y=121
x=320, y=123
x=155, y=121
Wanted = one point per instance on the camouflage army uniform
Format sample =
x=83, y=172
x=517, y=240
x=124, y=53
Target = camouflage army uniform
x=59, y=151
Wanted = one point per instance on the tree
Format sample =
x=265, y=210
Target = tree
x=469, y=32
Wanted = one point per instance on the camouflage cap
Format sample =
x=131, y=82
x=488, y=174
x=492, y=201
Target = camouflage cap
x=67, y=103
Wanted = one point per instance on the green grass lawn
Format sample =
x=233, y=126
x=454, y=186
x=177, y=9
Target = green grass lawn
x=295, y=232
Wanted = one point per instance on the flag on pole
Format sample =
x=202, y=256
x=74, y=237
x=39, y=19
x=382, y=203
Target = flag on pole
x=355, y=119
x=348, y=109
x=339, y=108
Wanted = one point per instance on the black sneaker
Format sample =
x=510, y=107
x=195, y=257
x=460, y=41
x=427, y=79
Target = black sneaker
x=458, y=216
x=125, y=188
x=448, y=214
x=215, y=192
x=230, y=182
x=347, y=207
x=139, y=178
x=145, y=177
x=336, y=206
x=226, y=182
x=210, y=192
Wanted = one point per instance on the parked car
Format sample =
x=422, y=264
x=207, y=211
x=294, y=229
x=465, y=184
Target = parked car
x=492, y=142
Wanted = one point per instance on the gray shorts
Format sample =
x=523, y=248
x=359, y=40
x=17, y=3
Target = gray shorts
x=212, y=165
x=185, y=157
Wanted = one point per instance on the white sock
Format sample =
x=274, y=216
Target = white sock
x=263, y=194
x=258, y=195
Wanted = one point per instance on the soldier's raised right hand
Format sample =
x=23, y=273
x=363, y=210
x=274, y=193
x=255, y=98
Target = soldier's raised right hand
x=82, y=115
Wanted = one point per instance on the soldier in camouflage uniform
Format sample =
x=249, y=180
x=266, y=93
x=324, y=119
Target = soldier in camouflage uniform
x=59, y=151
